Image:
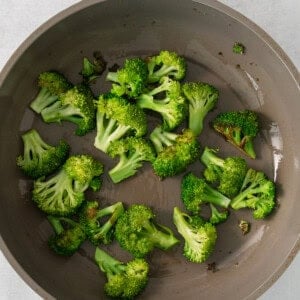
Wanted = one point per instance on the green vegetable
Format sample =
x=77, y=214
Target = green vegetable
x=238, y=48
x=92, y=70
x=217, y=216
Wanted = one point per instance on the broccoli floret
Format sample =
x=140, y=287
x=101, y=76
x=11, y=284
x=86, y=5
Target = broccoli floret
x=96, y=231
x=202, y=98
x=116, y=118
x=66, y=241
x=39, y=158
x=133, y=152
x=52, y=85
x=63, y=193
x=217, y=217
x=129, y=80
x=238, y=48
x=258, y=193
x=92, y=70
x=124, y=280
x=175, y=152
x=200, y=237
x=195, y=191
x=96, y=184
x=172, y=106
x=137, y=233
x=76, y=106
x=228, y=172
x=166, y=63
x=239, y=128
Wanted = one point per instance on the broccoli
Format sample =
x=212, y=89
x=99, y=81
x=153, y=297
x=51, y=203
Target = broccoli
x=137, y=233
x=172, y=107
x=129, y=80
x=238, y=48
x=228, y=172
x=116, y=117
x=244, y=226
x=175, y=152
x=124, y=280
x=239, y=128
x=166, y=63
x=217, y=217
x=90, y=215
x=195, y=191
x=63, y=193
x=92, y=70
x=202, y=98
x=258, y=193
x=52, y=85
x=200, y=237
x=76, y=106
x=39, y=158
x=66, y=241
x=133, y=152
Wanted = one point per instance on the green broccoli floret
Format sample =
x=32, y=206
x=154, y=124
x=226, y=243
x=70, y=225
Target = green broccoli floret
x=133, y=152
x=124, y=280
x=200, y=237
x=175, y=152
x=90, y=217
x=66, y=240
x=202, y=98
x=239, y=128
x=171, y=106
x=238, y=48
x=217, y=217
x=166, y=63
x=258, y=193
x=76, y=106
x=39, y=158
x=137, y=233
x=116, y=118
x=228, y=172
x=63, y=193
x=92, y=70
x=52, y=85
x=195, y=191
x=129, y=80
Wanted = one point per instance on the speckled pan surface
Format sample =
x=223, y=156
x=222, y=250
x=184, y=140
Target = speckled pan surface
x=203, y=31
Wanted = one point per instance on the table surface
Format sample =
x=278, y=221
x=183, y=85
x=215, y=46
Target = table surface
x=279, y=18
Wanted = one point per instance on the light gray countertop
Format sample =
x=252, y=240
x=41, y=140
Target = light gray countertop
x=279, y=18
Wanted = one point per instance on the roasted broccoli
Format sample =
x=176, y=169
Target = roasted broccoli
x=258, y=193
x=228, y=172
x=238, y=48
x=39, y=158
x=239, y=128
x=97, y=230
x=199, y=236
x=175, y=152
x=52, y=85
x=166, y=63
x=244, y=226
x=129, y=80
x=171, y=106
x=195, y=191
x=137, y=233
x=124, y=280
x=63, y=193
x=116, y=118
x=202, y=98
x=92, y=70
x=217, y=216
x=68, y=236
x=76, y=106
x=133, y=152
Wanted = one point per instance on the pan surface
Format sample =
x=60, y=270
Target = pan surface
x=203, y=32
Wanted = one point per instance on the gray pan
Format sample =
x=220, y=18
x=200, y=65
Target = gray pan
x=203, y=31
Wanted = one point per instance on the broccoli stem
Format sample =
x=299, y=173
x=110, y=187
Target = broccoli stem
x=42, y=100
x=161, y=138
x=56, y=224
x=209, y=157
x=215, y=197
x=164, y=70
x=112, y=76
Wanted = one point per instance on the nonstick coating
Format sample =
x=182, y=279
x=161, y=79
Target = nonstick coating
x=203, y=32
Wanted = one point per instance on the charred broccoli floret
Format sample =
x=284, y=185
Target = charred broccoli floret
x=97, y=230
x=133, y=152
x=175, y=152
x=202, y=98
x=199, y=236
x=124, y=280
x=239, y=128
x=92, y=70
x=68, y=236
x=137, y=233
x=39, y=158
x=258, y=193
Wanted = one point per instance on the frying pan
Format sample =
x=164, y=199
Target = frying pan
x=203, y=32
